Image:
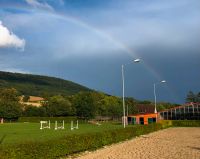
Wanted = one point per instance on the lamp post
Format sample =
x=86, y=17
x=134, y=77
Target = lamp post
x=154, y=88
x=124, y=115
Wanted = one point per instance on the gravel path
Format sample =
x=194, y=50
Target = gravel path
x=172, y=143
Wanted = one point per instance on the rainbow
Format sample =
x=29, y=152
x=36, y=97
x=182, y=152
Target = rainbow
x=99, y=32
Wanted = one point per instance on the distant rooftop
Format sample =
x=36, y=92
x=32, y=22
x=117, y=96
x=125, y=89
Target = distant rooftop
x=35, y=99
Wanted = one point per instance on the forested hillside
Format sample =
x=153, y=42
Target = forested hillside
x=37, y=85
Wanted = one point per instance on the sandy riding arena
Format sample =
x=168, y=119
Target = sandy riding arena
x=172, y=143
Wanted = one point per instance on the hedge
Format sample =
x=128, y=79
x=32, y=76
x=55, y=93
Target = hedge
x=186, y=123
x=52, y=119
x=73, y=143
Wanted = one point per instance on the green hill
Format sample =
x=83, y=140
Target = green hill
x=38, y=85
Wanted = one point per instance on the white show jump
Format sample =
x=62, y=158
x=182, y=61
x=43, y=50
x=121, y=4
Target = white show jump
x=72, y=125
x=2, y=121
x=59, y=127
x=45, y=125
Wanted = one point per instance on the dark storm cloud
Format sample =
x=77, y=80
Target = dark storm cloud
x=87, y=43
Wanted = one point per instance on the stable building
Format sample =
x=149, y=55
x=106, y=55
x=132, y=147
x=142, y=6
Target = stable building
x=144, y=116
x=142, y=119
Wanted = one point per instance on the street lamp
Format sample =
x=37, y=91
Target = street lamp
x=154, y=86
x=124, y=115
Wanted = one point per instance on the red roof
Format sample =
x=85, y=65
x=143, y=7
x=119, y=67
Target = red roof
x=145, y=108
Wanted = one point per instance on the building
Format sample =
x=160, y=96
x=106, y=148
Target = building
x=145, y=115
x=33, y=100
x=188, y=111
x=143, y=119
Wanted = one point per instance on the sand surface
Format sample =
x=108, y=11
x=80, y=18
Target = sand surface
x=172, y=143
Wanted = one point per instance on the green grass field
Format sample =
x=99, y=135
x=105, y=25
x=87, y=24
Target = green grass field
x=11, y=133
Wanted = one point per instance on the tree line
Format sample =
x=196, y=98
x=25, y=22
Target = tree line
x=86, y=105
x=83, y=104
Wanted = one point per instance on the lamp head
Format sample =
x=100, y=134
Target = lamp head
x=136, y=60
x=163, y=81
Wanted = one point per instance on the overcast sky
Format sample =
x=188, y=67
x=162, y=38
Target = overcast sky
x=87, y=41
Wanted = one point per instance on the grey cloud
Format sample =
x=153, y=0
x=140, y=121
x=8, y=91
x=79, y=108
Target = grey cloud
x=166, y=39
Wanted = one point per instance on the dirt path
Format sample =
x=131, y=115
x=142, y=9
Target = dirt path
x=172, y=143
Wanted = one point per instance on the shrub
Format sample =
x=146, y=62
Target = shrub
x=186, y=123
x=52, y=119
x=166, y=123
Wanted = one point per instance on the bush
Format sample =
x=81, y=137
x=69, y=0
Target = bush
x=32, y=111
x=52, y=119
x=166, y=123
x=186, y=123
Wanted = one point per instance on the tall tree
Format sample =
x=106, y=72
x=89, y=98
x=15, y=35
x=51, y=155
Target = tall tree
x=9, y=95
x=9, y=104
x=110, y=106
x=26, y=98
x=191, y=97
x=34, y=111
x=131, y=105
x=58, y=106
x=85, y=105
x=198, y=97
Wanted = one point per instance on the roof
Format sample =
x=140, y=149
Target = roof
x=145, y=108
x=35, y=99
x=181, y=106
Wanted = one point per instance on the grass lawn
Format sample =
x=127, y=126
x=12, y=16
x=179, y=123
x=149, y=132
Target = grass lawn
x=23, y=132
